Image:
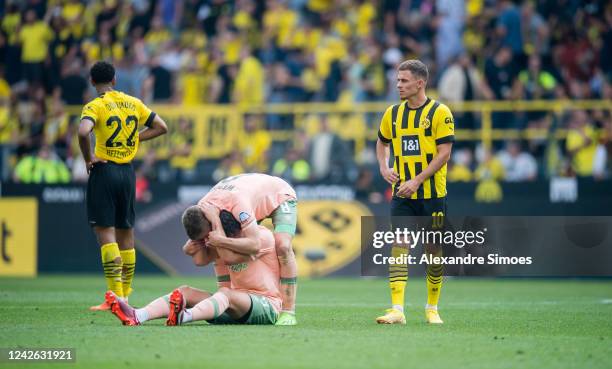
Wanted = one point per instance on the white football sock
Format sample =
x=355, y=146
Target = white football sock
x=187, y=316
x=142, y=315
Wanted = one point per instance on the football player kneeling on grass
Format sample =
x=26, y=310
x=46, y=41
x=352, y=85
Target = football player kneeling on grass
x=248, y=286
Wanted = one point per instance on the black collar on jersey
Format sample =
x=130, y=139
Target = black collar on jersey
x=102, y=94
x=420, y=107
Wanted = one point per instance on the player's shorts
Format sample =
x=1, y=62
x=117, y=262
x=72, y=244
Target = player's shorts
x=418, y=207
x=111, y=193
x=261, y=313
x=431, y=213
x=284, y=218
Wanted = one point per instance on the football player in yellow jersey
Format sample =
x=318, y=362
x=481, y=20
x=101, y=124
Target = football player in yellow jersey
x=421, y=132
x=115, y=119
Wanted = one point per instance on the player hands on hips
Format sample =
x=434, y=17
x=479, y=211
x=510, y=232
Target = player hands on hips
x=252, y=197
x=421, y=131
x=115, y=119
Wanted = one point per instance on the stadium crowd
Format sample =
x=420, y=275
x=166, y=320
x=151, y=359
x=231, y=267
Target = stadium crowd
x=253, y=52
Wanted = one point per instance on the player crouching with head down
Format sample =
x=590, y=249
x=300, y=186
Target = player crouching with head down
x=248, y=284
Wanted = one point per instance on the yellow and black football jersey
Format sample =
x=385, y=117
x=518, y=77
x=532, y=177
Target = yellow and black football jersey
x=116, y=117
x=414, y=134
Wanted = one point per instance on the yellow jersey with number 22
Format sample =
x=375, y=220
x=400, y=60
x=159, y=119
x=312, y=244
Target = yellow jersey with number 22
x=116, y=117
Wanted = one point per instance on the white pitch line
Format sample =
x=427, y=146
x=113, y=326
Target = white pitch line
x=457, y=304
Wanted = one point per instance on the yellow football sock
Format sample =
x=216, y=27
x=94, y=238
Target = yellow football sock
x=434, y=281
x=111, y=261
x=127, y=274
x=398, y=275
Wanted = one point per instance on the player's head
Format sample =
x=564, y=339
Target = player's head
x=196, y=225
x=102, y=73
x=412, y=76
x=230, y=225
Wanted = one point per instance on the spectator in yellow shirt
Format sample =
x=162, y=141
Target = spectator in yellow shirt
x=249, y=83
x=103, y=49
x=182, y=159
x=254, y=144
x=459, y=167
x=158, y=36
x=581, y=144
x=490, y=168
x=34, y=37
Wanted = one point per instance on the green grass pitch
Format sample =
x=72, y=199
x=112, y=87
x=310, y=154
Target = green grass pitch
x=489, y=323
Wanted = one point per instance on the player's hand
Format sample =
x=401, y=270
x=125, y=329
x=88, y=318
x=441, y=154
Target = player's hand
x=215, y=239
x=406, y=189
x=389, y=174
x=192, y=247
x=90, y=164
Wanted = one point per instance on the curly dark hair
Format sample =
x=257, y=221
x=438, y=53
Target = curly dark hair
x=230, y=225
x=102, y=72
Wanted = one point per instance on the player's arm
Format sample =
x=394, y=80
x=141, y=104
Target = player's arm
x=382, y=148
x=211, y=213
x=199, y=253
x=249, y=244
x=382, y=154
x=230, y=257
x=266, y=242
x=155, y=128
x=85, y=128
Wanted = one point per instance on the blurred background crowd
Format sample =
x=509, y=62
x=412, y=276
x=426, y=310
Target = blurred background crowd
x=253, y=52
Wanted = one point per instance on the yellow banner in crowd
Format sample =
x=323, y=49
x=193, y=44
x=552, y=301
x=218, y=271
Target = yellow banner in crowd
x=18, y=236
x=213, y=131
x=208, y=131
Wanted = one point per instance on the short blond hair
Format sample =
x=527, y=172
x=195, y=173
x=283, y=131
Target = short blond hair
x=195, y=223
x=416, y=67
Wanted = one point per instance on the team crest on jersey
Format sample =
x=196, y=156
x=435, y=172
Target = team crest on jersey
x=425, y=123
x=243, y=216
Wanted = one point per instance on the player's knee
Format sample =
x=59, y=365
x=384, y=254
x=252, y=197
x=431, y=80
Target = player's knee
x=184, y=289
x=105, y=235
x=229, y=293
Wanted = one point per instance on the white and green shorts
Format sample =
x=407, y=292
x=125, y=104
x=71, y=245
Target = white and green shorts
x=261, y=313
